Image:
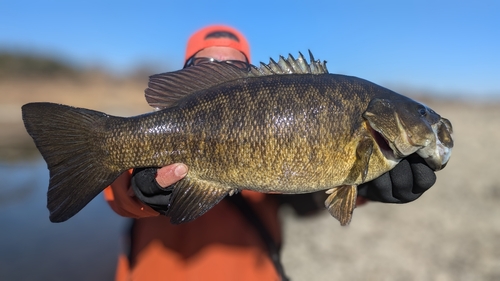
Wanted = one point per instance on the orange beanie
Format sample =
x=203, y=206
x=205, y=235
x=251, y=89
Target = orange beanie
x=206, y=37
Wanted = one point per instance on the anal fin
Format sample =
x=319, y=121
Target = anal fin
x=341, y=202
x=193, y=197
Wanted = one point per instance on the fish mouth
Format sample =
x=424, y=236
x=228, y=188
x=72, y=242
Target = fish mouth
x=438, y=155
x=435, y=153
x=383, y=144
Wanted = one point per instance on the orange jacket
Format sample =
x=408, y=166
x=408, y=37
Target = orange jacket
x=220, y=245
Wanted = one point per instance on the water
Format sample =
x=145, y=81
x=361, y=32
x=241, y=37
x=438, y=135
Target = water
x=32, y=248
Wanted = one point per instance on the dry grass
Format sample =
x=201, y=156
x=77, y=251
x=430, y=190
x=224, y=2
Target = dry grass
x=451, y=233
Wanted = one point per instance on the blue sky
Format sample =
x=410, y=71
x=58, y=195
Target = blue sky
x=450, y=47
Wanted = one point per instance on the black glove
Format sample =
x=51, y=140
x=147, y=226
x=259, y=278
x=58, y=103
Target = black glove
x=403, y=184
x=149, y=191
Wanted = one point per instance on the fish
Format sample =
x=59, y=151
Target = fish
x=285, y=127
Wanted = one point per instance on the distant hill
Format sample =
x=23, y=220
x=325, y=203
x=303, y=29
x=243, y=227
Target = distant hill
x=32, y=65
x=21, y=65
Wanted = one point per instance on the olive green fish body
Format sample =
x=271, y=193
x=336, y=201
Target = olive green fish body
x=281, y=134
x=287, y=127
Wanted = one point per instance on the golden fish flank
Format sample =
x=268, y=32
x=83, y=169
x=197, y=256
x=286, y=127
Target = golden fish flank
x=287, y=126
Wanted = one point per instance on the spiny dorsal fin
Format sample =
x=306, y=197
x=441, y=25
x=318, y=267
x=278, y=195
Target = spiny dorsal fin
x=169, y=89
x=291, y=66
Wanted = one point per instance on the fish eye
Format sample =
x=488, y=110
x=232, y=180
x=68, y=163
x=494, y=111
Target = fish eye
x=422, y=111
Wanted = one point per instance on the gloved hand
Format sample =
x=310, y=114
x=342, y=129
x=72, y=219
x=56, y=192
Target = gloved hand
x=146, y=187
x=403, y=184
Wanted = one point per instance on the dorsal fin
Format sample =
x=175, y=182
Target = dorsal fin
x=168, y=89
x=291, y=66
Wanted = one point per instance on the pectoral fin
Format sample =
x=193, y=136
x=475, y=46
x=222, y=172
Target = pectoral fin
x=364, y=152
x=341, y=202
x=194, y=197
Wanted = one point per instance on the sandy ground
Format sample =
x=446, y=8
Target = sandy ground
x=451, y=233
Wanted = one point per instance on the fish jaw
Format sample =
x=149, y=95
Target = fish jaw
x=406, y=143
x=384, y=117
x=409, y=127
x=438, y=155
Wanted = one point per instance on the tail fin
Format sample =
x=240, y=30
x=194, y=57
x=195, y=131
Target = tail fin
x=70, y=140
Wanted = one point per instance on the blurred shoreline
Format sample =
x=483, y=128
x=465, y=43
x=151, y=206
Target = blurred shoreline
x=32, y=79
x=24, y=78
x=451, y=233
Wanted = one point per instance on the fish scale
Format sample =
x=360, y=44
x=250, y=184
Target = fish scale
x=286, y=127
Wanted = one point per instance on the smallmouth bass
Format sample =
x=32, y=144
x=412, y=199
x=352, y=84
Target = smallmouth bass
x=287, y=127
